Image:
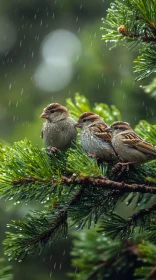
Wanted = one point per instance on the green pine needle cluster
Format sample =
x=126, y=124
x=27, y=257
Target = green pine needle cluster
x=80, y=164
x=40, y=229
x=115, y=226
x=134, y=22
x=147, y=131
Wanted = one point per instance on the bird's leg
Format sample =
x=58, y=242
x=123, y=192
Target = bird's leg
x=126, y=164
x=91, y=155
x=120, y=168
x=52, y=149
x=117, y=171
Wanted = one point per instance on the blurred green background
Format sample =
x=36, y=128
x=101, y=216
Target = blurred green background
x=48, y=51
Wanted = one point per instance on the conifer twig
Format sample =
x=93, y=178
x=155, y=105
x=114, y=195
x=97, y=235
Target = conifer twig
x=97, y=182
x=127, y=33
x=106, y=183
x=141, y=213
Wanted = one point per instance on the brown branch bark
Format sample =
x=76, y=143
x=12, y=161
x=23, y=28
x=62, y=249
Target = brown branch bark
x=57, y=222
x=94, y=182
x=106, y=183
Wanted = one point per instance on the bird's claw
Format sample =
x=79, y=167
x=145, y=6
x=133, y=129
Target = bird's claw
x=52, y=149
x=125, y=165
x=119, y=169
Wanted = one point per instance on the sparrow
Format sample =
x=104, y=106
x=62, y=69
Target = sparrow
x=130, y=147
x=94, y=139
x=58, y=131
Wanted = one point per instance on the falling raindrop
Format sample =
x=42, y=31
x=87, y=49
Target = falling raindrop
x=64, y=252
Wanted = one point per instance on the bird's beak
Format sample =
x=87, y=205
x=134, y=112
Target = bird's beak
x=108, y=129
x=77, y=125
x=44, y=115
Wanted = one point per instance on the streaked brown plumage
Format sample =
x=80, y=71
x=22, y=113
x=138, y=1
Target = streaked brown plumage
x=94, y=139
x=129, y=146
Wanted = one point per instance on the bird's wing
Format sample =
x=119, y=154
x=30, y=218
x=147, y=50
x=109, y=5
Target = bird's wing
x=99, y=131
x=134, y=141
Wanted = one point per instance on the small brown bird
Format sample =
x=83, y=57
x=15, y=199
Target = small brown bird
x=94, y=139
x=130, y=148
x=58, y=131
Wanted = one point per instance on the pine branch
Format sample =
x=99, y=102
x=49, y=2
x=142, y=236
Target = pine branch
x=45, y=227
x=103, y=183
x=36, y=232
x=84, y=207
x=20, y=181
x=116, y=226
x=133, y=22
x=87, y=210
x=130, y=19
x=127, y=33
x=106, y=183
x=145, y=64
x=26, y=172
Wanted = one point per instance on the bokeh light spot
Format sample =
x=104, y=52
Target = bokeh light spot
x=54, y=76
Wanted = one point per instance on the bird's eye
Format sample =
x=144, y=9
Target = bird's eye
x=52, y=111
x=84, y=120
